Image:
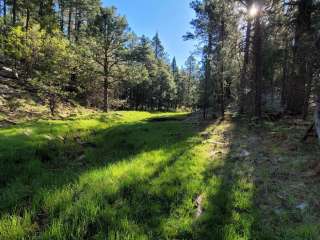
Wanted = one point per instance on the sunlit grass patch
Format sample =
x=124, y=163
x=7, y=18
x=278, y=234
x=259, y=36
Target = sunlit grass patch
x=229, y=190
x=15, y=227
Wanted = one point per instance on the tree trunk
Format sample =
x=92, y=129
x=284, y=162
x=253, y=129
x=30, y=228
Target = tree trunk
x=244, y=71
x=257, y=48
x=61, y=15
x=69, y=22
x=207, y=76
x=50, y=7
x=52, y=104
x=297, y=93
x=14, y=12
x=106, y=94
x=206, y=81
x=41, y=9
x=27, y=19
x=308, y=92
x=5, y=11
x=77, y=24
x=228, y=92
x=284, y=78
x=106, y=84
x=221, y=60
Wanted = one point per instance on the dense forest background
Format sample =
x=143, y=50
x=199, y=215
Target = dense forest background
x=77, y=51
x=261, y=56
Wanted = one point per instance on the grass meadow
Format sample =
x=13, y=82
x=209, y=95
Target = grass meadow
x=139, y=175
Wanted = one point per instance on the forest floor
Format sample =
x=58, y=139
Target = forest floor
x=139, y=175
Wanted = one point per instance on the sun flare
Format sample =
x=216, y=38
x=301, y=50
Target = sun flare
x=254, y=10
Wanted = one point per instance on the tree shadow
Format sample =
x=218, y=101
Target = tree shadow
x=255, y=186
x=140, y=181
x=228, y=213
x=140, y=206
x=30, y=167
x=141, y=197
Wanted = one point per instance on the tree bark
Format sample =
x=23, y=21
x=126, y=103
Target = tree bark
x=41, y=9
x=284, y=77
x=52, y=104
x=257, y=51
x=228, y=94
x=221, y=60
x=61, y=15
x=27, y=19
x=309, y=83
x=206, y=81
x=106, y=94
x=14, y=12
x=69, y=22
x=77, y=23
x=5, y=11
x=106, y=83
x=207, y=75
x=297, y=93
x=244, y=71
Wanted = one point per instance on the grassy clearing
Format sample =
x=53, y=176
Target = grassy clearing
x=97, y=177
x=137, y=175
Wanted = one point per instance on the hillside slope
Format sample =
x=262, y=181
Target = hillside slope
x=19, y=102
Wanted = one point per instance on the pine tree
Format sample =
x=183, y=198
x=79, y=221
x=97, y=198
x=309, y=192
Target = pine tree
x=159, y=52
x=109, y=33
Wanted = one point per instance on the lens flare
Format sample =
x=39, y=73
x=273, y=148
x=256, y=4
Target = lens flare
x=254, y=10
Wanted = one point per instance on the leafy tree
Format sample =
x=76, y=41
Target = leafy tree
x=55, y=65
x=47, y=58
x=164, y=87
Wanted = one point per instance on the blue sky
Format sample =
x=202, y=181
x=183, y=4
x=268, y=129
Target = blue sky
x=170, y=18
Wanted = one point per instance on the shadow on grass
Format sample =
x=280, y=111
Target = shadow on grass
x=138, y=208
x=28, y=178
x=140, y=180
x=251, y=190
x=229, y=213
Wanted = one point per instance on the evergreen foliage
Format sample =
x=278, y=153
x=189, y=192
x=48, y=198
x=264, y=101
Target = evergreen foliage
x=79, y=51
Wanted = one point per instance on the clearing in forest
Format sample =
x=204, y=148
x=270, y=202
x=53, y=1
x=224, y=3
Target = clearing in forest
x=137, y=175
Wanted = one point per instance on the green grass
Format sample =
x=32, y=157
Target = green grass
x=137, y=175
